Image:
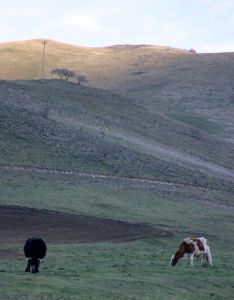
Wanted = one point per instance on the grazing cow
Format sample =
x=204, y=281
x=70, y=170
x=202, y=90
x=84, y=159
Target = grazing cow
x=34, y=250
x=193, y=247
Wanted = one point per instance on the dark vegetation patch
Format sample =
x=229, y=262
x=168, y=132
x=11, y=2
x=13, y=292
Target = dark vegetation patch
x=199, y=122
x=19, y=223
x=139, y=72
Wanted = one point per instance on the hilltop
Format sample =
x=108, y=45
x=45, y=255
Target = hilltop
x=196, y=89
x=22, y=60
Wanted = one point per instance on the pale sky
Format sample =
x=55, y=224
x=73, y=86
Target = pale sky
x=204, y=25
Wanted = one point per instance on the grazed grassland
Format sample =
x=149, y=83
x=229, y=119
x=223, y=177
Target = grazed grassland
x=156, y=126
x=130, y=270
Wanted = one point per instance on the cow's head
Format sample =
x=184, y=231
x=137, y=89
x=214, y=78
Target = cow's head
x=174, y=260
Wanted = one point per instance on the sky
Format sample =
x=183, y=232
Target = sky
x=203, y=25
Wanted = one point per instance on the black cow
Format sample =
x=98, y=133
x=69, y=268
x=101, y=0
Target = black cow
x=34, y=249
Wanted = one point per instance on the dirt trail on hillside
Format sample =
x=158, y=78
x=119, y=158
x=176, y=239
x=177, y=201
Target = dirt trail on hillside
x=155, y=149
x=19, y=223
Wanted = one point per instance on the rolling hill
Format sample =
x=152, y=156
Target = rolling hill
x=148, y=111
x=59, y=124
x=115, y=173
x=196, y=89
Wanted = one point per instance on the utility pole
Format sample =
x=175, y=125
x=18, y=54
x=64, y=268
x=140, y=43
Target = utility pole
x=44, y=42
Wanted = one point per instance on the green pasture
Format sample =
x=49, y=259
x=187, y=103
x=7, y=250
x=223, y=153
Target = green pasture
x=130, y=270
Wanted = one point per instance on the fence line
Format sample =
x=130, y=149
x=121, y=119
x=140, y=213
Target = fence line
x=33, y=168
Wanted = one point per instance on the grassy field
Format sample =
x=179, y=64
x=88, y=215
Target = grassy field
x=129, y=270
x=132, y=270
x=158, y=123
x=106, y=197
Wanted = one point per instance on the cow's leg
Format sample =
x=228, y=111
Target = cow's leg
x=37, y=263
x=190, y=256
x=203, y=259
x=209, y=257
x=35, y=266
x=28, y=266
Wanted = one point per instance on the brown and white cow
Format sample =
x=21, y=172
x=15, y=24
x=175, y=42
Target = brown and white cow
x=193, y=247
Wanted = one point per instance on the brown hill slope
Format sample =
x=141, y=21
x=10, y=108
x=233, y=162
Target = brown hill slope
x=22, y=60
x=196, y=89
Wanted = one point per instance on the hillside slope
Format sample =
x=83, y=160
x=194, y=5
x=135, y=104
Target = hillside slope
x=196, y=89
x=59, y=124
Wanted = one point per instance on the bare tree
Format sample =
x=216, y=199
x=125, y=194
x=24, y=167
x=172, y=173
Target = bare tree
x=63, y=74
